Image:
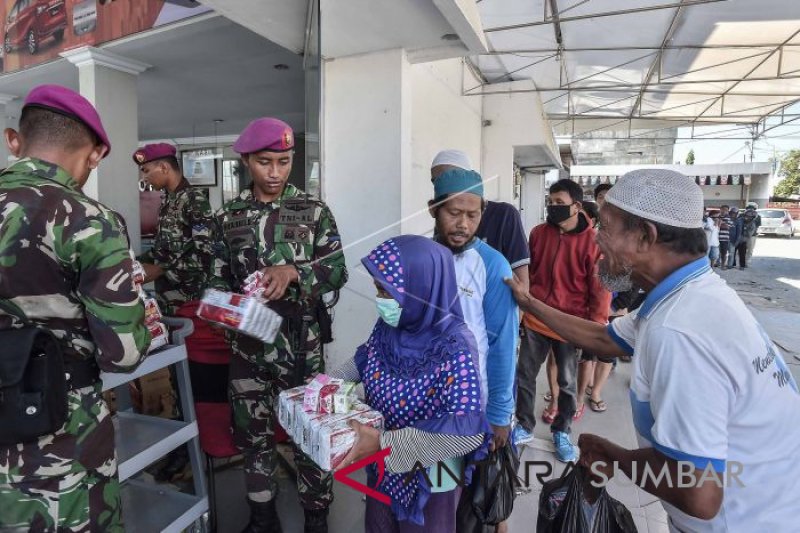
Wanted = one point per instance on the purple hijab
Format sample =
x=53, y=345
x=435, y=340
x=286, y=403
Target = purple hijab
x=420, y=274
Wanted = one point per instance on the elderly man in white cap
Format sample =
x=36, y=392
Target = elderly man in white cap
x=501, y=224
x=716, y=410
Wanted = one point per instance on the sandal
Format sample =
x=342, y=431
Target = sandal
x=579, y=413
x=549, y=414
x=589, y=389
x=548, y=397
x=598, y=406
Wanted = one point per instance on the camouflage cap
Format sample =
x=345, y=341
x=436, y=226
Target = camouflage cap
x=151, y=152
x=67, y=102
x=265, y=134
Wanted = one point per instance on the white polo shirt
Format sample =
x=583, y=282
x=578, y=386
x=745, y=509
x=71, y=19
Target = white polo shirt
x=708, y=386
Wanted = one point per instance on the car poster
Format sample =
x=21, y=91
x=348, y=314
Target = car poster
x=36, y=31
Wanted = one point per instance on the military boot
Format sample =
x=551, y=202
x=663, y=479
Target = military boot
x=263, y=518
x=316, y=521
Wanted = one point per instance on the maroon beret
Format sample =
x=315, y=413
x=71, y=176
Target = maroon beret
x=265, y=134
x=151, y=152
x=67, y=102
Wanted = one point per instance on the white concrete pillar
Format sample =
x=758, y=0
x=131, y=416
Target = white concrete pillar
x=366, y=173
x=109, y=81
x=5, y=99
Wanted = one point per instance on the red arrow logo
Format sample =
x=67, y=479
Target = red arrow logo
x=343, y=475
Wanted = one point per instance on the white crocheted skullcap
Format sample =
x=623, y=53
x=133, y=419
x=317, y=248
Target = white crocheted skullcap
x=659, y=195
x=455, y=158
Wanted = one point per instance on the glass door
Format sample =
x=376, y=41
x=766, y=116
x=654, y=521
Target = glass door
x=312, y=63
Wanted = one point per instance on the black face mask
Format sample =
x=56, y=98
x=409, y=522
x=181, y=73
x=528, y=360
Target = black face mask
x=556, y=214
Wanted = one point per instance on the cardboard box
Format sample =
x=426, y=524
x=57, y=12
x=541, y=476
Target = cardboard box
x=319, y=394
x=325, y=437
x=337, y=439
x=287, y=399
x=240, y=313
x=157, y=395
x=344, y=397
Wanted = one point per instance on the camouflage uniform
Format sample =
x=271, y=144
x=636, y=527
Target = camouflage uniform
x=295, y=230
x=65, y=264
x=183, y=247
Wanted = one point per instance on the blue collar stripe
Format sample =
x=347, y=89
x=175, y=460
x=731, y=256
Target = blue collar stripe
x=619, y=340
x=701, y=463
x=673, y=283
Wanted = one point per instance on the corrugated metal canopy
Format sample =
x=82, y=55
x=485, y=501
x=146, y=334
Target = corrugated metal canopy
x=621, y=63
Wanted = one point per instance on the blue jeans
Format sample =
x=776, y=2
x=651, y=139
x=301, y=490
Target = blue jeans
x=713, y=254
x=723, y=253
x=731, y=254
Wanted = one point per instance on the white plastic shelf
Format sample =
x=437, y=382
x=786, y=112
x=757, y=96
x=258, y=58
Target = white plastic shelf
x=142, y=440
x=149, y=508
x=164, y=357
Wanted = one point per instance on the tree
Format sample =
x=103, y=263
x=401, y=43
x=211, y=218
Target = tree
x=790, y=170
x=690, y=157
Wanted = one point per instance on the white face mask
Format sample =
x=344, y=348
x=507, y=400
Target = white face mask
x=389, y=310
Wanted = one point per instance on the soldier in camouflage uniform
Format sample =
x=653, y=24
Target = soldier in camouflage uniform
x=293, y=239
x=180, y=260
x=65, y=265
x=182, y=253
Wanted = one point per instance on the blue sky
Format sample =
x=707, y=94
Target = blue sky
x=777, y=141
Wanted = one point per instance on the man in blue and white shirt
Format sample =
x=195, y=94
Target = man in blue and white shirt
x=489, y=307
x=716, y=410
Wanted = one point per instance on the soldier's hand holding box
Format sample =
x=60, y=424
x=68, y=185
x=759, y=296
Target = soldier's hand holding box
x=240, y=313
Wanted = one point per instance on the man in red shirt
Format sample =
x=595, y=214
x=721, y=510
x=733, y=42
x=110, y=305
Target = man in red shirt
x=563, y=273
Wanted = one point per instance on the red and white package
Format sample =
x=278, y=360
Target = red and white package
x=336, y=440
x=302, y=428
x=240, y=313
x=159, y=335
x=152, y=313
x=326, y=438
x=252, y=286
x=311, y=434
x=287, y=399
x=138, y=273
x=319, y=394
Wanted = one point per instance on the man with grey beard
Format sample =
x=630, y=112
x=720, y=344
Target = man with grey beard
x=708, y=403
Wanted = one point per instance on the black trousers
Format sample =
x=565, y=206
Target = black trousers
x=741, y=251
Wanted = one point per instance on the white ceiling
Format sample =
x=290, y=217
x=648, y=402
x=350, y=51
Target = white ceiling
x=698, y=61
x=207, y=69
x=350, y=27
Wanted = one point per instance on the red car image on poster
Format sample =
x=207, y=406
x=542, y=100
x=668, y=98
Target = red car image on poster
x=31, y=21
x=36, y=31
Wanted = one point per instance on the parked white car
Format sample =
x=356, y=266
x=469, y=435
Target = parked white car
x=776, y=222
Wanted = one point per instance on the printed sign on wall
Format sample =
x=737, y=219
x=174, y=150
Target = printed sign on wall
x=36, y=31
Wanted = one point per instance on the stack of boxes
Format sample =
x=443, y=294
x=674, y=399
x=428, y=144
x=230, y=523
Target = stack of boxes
x=152, y=314
x=317, y=418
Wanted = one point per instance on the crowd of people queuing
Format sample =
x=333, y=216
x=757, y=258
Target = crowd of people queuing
x=465, y=322
x=731, y=233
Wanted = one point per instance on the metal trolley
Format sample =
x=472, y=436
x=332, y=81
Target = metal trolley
x=142, y=440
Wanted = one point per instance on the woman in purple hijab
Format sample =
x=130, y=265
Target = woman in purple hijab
x=418, y=370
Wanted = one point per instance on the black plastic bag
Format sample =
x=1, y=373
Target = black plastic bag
x=562, y=502
x=489, y=499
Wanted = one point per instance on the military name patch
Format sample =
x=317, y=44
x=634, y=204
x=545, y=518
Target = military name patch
x=296, y=213
x=238, y=222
